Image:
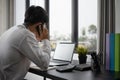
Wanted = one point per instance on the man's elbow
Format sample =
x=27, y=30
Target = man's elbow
x=45, y=66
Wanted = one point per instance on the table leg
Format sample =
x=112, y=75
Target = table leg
x=44, y=78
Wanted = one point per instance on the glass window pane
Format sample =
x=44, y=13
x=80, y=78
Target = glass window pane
x=38, y=3
x=60, y=21
x=88, y=23
x=19, y=11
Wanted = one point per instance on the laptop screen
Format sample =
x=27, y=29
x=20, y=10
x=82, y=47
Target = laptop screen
x=64, y=51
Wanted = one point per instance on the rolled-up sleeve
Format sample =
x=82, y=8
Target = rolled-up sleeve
x=30, y=48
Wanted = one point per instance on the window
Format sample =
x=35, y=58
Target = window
x=60, y=21
x=38, y=3
x=19, y=11
x=87, y=23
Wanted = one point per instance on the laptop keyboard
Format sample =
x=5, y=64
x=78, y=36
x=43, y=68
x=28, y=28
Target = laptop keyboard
x=56, y=61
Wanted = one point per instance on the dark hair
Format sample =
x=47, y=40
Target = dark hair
x=35, y=14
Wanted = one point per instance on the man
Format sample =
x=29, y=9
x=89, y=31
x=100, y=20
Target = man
x=19, y=45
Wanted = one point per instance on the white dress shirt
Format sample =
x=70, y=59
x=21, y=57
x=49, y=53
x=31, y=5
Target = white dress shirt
x=18, y=47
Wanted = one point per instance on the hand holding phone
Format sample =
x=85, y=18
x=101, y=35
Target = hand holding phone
x=42, y=32
x=39, y=29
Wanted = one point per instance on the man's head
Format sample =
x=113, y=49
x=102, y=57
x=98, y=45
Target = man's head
x=35, y=18
x=35, y=14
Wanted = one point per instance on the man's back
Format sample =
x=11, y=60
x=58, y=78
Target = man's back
x=19, y=46
x=11, y=61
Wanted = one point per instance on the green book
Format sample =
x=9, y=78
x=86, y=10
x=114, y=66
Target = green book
x=117, y=52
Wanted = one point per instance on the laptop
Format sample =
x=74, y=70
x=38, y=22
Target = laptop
x=63, y=54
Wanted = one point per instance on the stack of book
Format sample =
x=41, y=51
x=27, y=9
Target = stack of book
x=113, y=51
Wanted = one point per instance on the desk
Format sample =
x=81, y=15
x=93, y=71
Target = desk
x=54, y=75
x=76, y=75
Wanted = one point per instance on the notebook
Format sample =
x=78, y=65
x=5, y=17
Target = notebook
x=63, y=54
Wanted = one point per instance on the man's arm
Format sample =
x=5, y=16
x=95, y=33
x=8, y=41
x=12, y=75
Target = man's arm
x=39, y=55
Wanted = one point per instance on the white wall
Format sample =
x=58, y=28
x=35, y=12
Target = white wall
x=3, y=15
x=117, y=17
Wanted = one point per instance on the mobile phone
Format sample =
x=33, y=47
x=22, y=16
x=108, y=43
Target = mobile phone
x=39, y=29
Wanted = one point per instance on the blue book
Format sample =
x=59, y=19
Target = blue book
x=112, y=51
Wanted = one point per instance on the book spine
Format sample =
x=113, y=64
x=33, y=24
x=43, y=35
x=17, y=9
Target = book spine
x=112, y=51
x=117, y=52
x=107, y=51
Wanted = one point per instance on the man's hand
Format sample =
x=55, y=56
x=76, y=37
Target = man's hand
x=44, y=34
